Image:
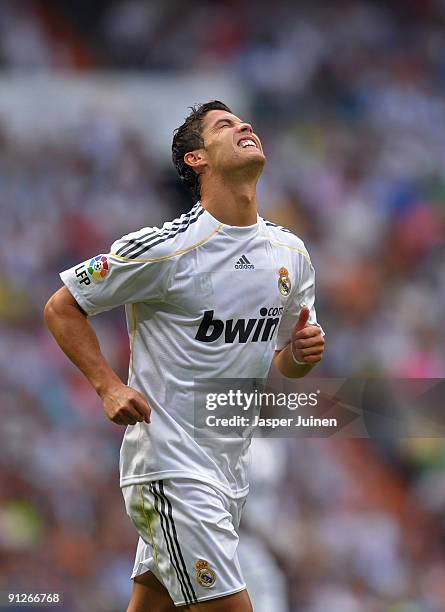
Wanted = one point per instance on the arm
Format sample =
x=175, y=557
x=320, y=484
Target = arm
x=70, y=327
x=306, y=346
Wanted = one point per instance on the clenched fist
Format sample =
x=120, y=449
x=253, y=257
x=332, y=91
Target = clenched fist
x=307, y=340
x=125, y=406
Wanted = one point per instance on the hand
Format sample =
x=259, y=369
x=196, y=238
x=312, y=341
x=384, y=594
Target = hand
x=125, y=406
x=307, y=340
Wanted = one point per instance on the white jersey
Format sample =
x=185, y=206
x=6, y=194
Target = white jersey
x=203, y=300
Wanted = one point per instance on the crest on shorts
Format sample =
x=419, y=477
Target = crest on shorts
x=284, y=284
x=205, y=576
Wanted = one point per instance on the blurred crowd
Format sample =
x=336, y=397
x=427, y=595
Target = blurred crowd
x=348, y=100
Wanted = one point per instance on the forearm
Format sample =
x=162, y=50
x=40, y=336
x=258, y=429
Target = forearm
x=76, y=337
x=285, y=363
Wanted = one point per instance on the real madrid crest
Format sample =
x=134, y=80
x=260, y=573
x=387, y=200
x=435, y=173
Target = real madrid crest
x=284, y=284
x=205, y=576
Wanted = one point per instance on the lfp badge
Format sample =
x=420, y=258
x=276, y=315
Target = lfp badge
x=98, y=268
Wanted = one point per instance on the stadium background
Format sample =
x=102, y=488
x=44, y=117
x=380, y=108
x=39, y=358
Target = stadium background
x=348, y=98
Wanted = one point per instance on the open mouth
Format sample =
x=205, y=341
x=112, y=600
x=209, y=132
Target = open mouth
x=245, y=143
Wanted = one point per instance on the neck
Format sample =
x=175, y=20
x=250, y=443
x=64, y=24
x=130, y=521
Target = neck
x=232, y=204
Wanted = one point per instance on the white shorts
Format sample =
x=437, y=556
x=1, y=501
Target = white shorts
x=188, y=538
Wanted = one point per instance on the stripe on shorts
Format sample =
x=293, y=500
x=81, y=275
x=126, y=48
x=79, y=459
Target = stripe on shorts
x=175, y=535
x=160, y=502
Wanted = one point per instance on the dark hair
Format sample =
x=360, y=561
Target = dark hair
x=188, y=137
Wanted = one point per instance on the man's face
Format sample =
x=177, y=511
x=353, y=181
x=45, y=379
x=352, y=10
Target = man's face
x=230, y=144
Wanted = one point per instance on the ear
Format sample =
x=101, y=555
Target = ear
x=196, y=160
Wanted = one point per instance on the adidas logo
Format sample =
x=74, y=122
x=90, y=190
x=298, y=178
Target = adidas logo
x=244, y=264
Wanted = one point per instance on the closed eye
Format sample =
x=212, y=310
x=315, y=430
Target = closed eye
x=222, y=123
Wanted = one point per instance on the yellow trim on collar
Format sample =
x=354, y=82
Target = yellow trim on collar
x=194, y=246
x=288, y=246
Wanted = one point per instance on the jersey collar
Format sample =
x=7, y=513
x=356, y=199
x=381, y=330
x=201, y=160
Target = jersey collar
x=236, y=231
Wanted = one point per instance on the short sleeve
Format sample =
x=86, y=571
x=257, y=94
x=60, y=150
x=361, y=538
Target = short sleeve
x=302, y=294
x=106, y=281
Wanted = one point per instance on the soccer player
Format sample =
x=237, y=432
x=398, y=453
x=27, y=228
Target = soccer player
x=217, y=293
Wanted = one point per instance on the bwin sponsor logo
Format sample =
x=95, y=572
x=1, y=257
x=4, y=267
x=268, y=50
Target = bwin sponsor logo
x=240, y=330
